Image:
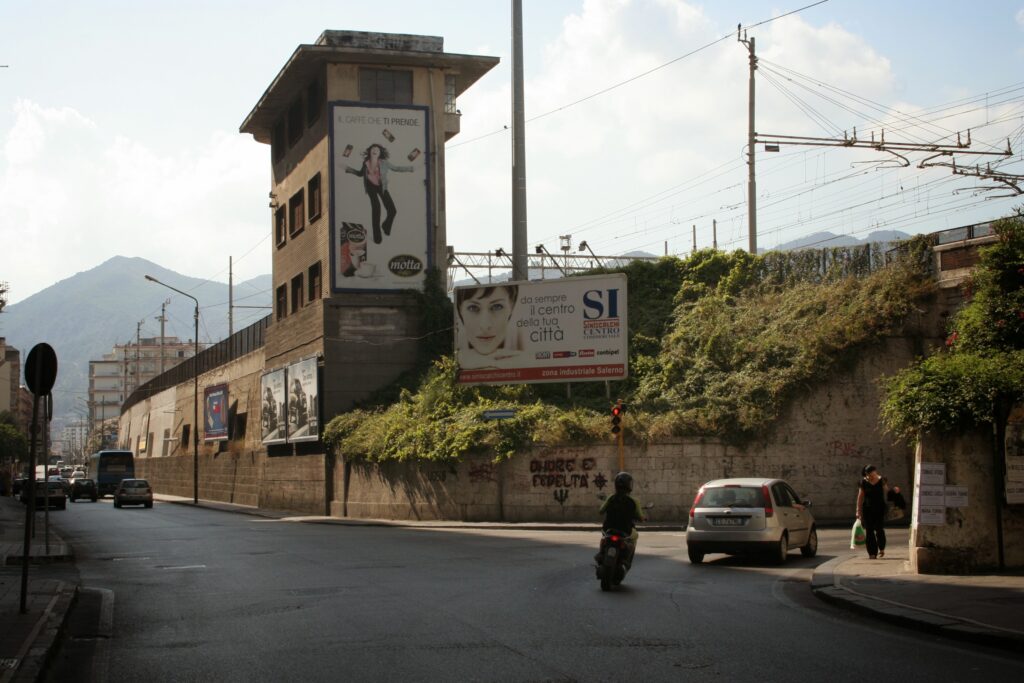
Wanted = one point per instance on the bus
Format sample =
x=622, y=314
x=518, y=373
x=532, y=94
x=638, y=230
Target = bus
x=108, y=468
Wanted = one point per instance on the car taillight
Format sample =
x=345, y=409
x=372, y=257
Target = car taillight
x=696, y=501
x=768, y=510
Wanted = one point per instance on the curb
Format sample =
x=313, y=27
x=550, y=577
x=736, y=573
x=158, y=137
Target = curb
x=39, y=646
x=410, y=524
x=825, y=586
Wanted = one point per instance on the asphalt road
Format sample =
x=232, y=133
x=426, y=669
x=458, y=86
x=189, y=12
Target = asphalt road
x=205, y=595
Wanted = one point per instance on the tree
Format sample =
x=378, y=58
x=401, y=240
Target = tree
x=13, y=444
x=980, y=373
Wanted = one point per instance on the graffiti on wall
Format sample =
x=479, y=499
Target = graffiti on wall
x=565, y=474
x=484, y=472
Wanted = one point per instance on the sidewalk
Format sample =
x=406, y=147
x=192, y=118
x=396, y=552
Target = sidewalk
x=987, y=609
x=26, y=639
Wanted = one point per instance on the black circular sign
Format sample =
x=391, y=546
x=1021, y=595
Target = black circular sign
x=41, y=369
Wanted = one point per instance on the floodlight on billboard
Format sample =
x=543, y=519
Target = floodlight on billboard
x=567, y=330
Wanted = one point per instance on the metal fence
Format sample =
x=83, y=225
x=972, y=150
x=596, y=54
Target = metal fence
x=243, y=342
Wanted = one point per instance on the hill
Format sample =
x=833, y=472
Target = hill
x=84, y=316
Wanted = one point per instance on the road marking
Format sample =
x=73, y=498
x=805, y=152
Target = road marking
x=186, y=566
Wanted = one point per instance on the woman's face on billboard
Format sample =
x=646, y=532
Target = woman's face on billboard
x=485, y=319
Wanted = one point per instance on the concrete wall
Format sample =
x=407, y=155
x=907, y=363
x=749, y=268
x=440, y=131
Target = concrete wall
x=968, y=540
x=819, y=445
x=236, y=471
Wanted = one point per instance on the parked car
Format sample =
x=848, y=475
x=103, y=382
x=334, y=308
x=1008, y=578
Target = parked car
x=17, y=483
x=133, y=492
x=84, y=488
x=48, y=493
x=738, y=516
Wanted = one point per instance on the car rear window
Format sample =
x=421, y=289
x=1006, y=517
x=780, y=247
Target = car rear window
x=733, y=496
x=136, y=484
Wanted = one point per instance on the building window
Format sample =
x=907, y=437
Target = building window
x=238, y=433
x=315, y=101
x=449, y=95
x=297, y=210
x=314, y=198
x=167, y=442
x=385, y=86
x=282, y=301
x=295, y=122
x=280, y=225
x=298, y=293
x=185, y=432
x=277, y=141
x=315, y=285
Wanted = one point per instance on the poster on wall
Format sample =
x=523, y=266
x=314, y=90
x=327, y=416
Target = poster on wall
x=143, y=442
x=568, y=330
x=303, y=391
x=215, y=413
x=272, y=407
x=380, y=200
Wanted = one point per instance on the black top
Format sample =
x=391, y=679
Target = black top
x=874, y=496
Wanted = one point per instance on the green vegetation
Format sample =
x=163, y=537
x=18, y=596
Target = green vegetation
x=719, y=342
x=980, y=373
x=13, y=442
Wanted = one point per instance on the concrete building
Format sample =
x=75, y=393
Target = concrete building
x=341, y=269
x=12, y=393
x=128, y=366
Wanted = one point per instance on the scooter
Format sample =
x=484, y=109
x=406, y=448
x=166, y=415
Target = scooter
x=613, y=558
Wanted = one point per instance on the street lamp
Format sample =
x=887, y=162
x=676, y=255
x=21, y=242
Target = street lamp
x=195, y=396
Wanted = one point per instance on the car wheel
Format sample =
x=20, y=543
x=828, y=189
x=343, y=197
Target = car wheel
x=116, y=504
x=811, y=549
x=781, y=550
x=696, y=556
x=149, y=505
x=73, y=499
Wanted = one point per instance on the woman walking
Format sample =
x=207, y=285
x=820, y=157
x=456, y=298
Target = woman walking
x=871, y=509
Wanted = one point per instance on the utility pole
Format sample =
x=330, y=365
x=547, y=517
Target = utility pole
x=162, y=319
x=519, y=233
x=751, y=135
x=694, y=239
x=231, y=300
x=714, y=234
x=138, y=343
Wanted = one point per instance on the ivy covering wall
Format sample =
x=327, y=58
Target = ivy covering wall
x=719, y=343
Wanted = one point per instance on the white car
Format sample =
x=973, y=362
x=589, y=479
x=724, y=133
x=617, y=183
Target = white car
x=737, y=516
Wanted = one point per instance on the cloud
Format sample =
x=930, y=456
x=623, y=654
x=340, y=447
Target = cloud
x=613, y=150
x=73, y=194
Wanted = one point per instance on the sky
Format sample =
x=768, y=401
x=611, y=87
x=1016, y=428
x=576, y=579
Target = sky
x=119, y=123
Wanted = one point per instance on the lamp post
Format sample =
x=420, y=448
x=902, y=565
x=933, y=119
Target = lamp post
x=195, y=396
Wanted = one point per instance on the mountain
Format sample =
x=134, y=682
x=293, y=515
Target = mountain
x=824, y=240
x=83, y=316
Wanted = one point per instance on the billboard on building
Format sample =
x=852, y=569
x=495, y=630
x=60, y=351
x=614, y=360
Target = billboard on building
x=303, y=401
x=272, y=407
x=567, y=330
x=380, y=196
x=215, y=413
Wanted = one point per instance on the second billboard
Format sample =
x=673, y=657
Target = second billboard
x=567, y=330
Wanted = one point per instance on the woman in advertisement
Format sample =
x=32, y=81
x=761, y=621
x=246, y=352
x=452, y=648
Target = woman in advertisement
x=489, y=339
x=374, y=172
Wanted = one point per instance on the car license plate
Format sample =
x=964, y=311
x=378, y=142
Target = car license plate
x=728, y=521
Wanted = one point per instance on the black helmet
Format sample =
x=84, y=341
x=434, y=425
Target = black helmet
x=623, y=482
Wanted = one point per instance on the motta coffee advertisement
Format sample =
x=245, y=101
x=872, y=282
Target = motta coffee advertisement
x=380, y=210
x=568, y=330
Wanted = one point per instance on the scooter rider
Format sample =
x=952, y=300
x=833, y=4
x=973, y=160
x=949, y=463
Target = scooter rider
x=621, y=511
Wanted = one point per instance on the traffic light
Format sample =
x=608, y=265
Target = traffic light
x=617, y=410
